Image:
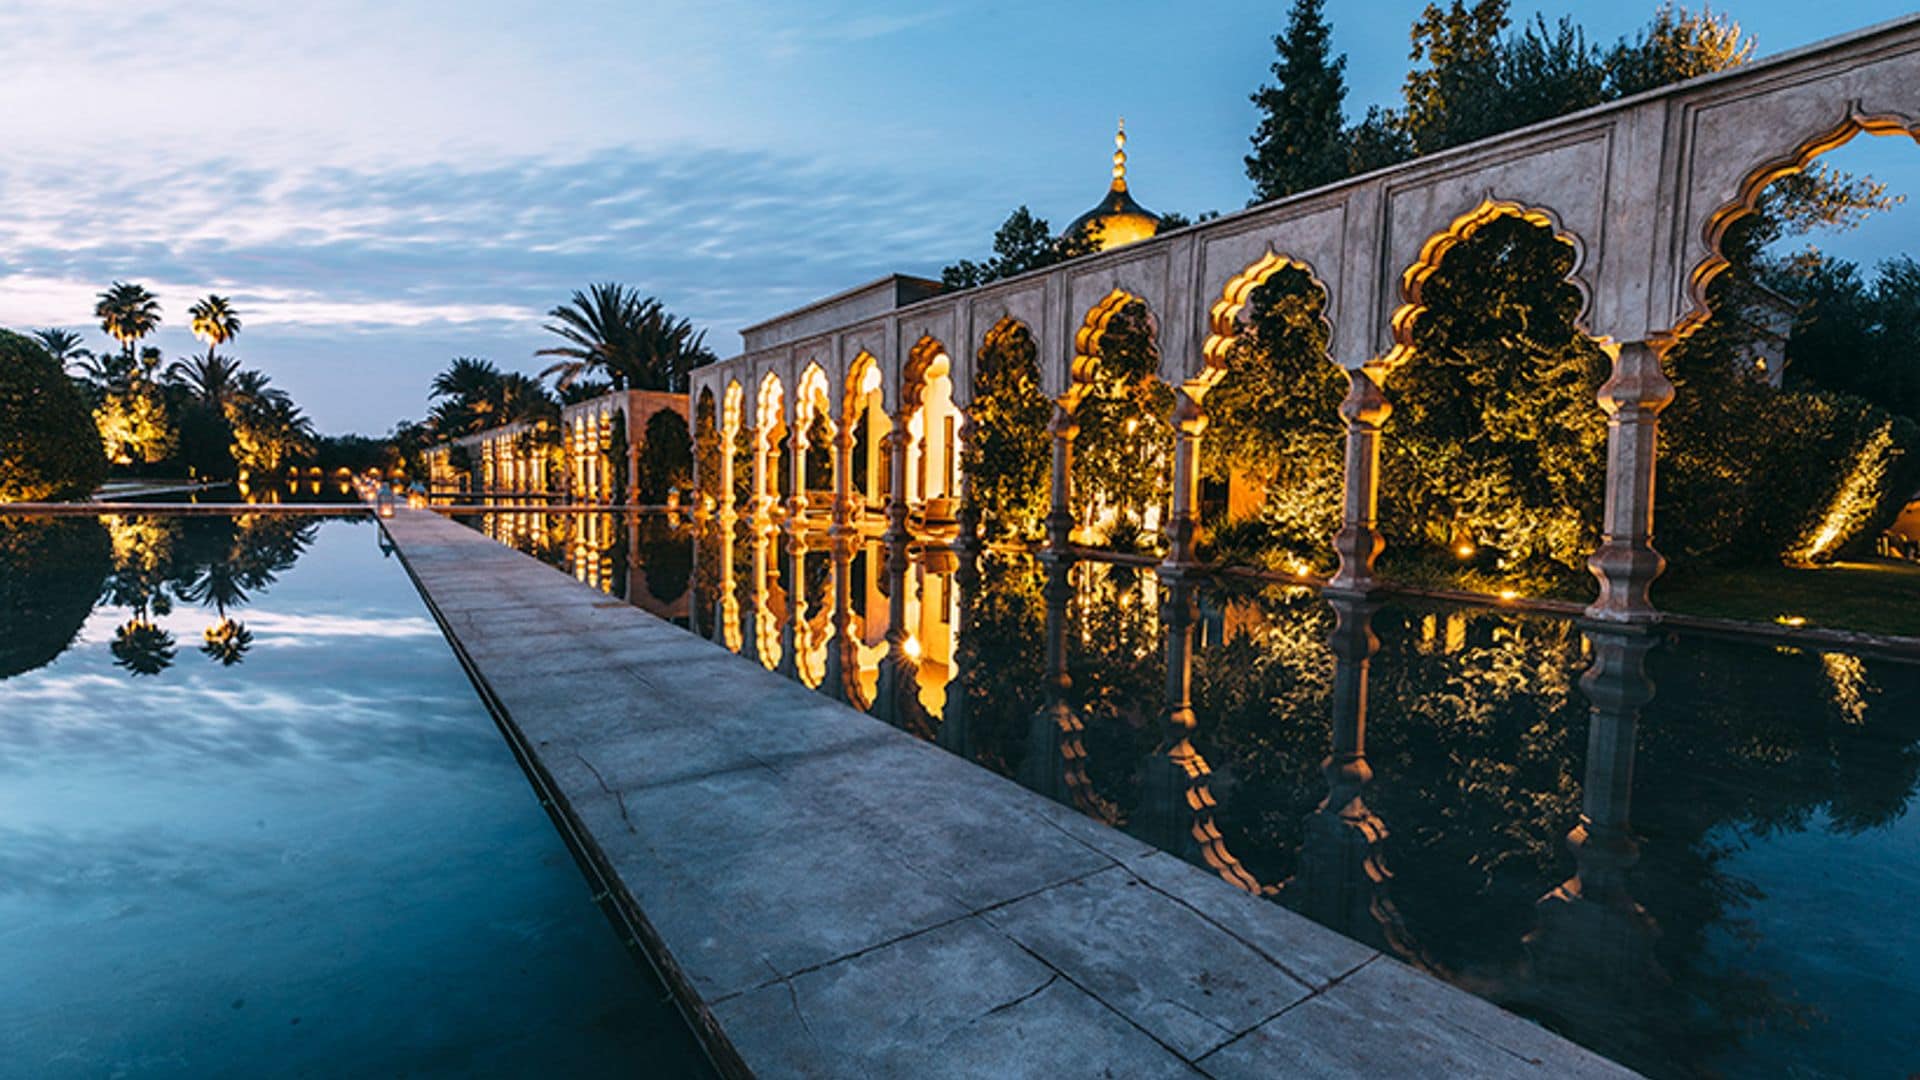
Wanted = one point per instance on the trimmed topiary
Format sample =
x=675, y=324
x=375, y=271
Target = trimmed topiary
x=49, y=447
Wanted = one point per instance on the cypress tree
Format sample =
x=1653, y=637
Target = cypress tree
x=1300, y=143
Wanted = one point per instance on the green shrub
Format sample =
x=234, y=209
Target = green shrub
x=51, y=570
x=49, y=448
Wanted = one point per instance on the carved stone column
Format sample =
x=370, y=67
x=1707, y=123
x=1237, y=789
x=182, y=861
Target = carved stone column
x=956, y=728
x=842, y=678
x=797, y=445
x=896, y=445
x=1359, y=542
x=762, y=482
x=1626, y=563
x=1064, y=428
x=1176, y=801
x=843, y=444
x=793, y=633
x=968, y=515
x=1189, y=420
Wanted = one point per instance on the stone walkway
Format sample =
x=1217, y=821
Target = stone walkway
x=833, y=897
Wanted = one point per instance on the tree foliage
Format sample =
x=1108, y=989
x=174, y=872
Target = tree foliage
x=1009, y=451
x=666, y=456
x=631, y=339
x=1022, y=243
x=1300, y=143
x=48, y=446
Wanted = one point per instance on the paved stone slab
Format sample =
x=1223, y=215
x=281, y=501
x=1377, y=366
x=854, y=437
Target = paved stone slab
x=1387, y=1021
x=1183, y=980
x=829, y=896
x=997, y=1012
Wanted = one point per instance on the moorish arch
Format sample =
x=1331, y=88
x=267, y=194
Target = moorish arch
x=1007, y=408
x=1367, y=405
x=707, y=450
x=1111, y=417
x=1647, y=183
x=769, y=433
x=812, y=406
x=927, y=435
x=1227, y=318
x=861, y=466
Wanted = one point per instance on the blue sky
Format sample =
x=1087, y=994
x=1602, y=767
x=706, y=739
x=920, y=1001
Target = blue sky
x=381, y=186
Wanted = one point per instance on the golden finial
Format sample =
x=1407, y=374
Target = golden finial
x=1120, y=156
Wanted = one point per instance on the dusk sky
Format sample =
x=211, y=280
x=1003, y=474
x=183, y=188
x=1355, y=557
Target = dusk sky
x=381, y=186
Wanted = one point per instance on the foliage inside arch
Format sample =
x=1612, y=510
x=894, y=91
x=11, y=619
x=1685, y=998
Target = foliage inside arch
x=1009, y=452
x=706, y=447
x=1273, y=421
x=1122, y=455
x=666, y=456
x=1495, y=463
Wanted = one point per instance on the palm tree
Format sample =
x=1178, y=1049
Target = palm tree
x=210, y=378
x=523, y=398
x=669, y=348
x=214, y=321
x=62, y=345
x=128, y=312
x=630, y=338
x=468, y=396
x=600, y=327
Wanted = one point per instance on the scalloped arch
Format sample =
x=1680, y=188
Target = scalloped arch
x=1223, y=319
x=1435, y=250
x=1714, y=230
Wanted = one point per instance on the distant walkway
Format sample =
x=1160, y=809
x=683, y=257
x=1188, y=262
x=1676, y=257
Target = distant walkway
x=832, y=897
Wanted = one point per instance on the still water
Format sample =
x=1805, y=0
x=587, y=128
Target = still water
x=254, y=821
x=1695, y=855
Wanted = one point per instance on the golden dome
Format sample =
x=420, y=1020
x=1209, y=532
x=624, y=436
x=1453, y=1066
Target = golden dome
x=1118, y=218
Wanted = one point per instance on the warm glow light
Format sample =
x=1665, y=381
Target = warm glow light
x=1856, y=501
x=1795, y=621
x=1464, y=550
x=913, y=647
x=1509, y=594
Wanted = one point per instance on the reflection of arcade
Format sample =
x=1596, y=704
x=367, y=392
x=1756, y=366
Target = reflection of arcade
x=872, y=625
x=626, y=555
x=1591, y=952
x=1342, y=879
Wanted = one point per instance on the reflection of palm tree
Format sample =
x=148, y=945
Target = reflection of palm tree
x=227, y=641
x=141, y=647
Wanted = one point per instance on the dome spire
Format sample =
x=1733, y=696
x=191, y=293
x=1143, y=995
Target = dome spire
x=1120, y=156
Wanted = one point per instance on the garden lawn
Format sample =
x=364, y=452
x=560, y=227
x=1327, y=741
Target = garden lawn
x=1875, y=596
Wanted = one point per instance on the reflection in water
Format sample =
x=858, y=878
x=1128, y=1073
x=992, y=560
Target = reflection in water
x=56, y=569
x=221, y=864
x=1474, y=791
x=1592, y=952
x=1342, y=877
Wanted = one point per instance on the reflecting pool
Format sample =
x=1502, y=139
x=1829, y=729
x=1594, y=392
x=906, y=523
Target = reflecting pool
x=1696, y=855
x=255, y=821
